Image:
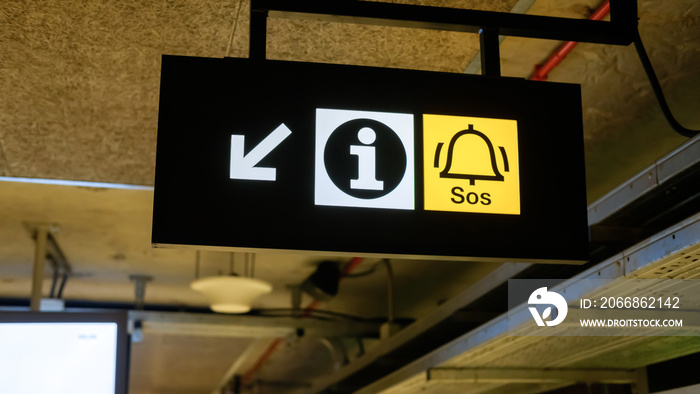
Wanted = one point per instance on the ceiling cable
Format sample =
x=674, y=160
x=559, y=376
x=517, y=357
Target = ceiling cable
x=233, y=29
x=541, y=72
x=656, y=87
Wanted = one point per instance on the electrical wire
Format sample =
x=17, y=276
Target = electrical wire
x=366, y=272
x=290, y=312
x=308, y=311
x=656, y=87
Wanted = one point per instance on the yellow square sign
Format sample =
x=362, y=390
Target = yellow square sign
x=471, y=164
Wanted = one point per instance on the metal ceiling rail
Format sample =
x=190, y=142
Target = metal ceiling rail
x=656, y=198
x=652, y=178
x=248, y=326
x=533, y=375
x=646, y=259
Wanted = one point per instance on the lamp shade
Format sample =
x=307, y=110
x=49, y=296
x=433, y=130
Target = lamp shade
x=231, y=294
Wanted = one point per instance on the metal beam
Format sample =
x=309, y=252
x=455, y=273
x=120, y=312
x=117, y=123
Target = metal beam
x=140, y=289
x=46, y=249
x=490, y=52
x=494, y=279
x=258, y=34
x=644, y=183
x=641, y=383
x=249, y=326
x=644, y=257
x=531, y=375
x=619, y=31
x=258, y=346
x=42, y=235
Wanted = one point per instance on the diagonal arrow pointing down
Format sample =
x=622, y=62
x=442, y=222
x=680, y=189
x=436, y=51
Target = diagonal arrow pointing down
x=243, y=166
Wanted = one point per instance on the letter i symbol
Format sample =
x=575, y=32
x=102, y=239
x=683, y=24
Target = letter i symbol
x=366, y=162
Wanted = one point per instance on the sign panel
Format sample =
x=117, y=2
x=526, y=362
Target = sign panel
x=368, y=161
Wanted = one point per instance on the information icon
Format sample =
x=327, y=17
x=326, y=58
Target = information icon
x=364, y=159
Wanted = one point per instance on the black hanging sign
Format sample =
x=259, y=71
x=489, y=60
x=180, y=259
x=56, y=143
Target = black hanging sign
x=360, y=161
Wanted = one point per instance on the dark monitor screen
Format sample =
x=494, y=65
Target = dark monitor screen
x=71, y=353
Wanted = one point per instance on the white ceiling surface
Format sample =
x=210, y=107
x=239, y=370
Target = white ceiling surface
x=79, y=98
x=105, y=234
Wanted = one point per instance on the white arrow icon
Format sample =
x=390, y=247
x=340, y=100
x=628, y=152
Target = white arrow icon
x=243, y=166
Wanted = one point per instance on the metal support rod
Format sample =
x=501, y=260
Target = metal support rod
x=237, y=384
x=625, y=15
x=390, y=291
x=64, y=279
x=641, y=384
x=295, y=291
x=246, y=265
x=490, y=52
x=258, y=34
x=140, y=290
x=196, y=265
x=57, y=259
x=42, y=234
x=54, y=282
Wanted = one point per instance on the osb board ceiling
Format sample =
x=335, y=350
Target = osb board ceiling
x=80, y=79
x=623, y=125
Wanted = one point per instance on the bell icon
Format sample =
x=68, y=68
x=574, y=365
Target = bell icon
x=478, y=160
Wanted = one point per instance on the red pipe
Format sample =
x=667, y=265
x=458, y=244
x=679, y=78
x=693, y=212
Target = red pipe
x=308, y=311
x=541, y=72
x=350, y=266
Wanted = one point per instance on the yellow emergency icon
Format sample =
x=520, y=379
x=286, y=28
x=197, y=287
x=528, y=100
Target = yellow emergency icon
x=471, y=164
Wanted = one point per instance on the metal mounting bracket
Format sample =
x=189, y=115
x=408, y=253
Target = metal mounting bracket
x=140, y=290
x=47, y=249
x=620, y=30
